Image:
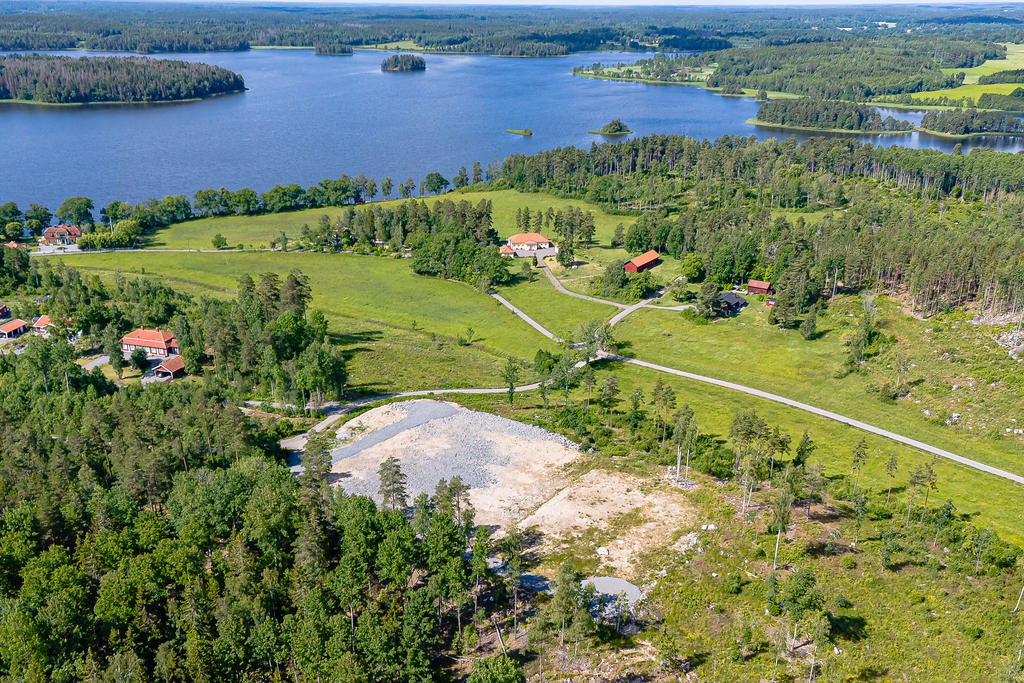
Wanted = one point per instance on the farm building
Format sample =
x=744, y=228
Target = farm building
x=170, y=369
x=61, y=234
x=528, y=245
x=759, y=287
x=13, y=328
x=154, y=342
x=731, y=303
x=644, y=261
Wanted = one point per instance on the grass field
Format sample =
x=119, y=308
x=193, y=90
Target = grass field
x=410, y=323
x=1014, y=60
x=560, y=314
x=746, y=349
x=972, y=92
x=254, y=232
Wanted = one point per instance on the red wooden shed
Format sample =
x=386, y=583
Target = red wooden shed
x=644, y=261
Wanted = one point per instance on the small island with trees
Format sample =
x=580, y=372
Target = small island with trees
x=49, y=79
x=332, y=49
x=832, y=116
x=525, y=132
x=966, y=123
x=404, y=63
x=613, y=127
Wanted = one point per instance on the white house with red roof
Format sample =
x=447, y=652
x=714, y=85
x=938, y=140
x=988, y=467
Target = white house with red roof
x=43, y=326
x=528, y=244
x=13, y=328
x=62, y=235
x=154, y=342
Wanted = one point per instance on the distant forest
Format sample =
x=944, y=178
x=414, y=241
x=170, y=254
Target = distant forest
x=68, y=80
x=527, y=32
x=828, y=114
x=403, y=63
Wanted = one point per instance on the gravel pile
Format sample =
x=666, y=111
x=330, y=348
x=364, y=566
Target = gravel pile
x=468, y=457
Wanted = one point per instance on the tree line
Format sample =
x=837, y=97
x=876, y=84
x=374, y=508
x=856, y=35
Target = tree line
x=808, y=112
x=66, y=80
x=847, y=69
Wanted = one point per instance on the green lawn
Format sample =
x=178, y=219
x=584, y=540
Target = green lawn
x=559, y=313
x=747, y=350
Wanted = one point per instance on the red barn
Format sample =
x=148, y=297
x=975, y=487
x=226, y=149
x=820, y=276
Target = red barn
x=759, y=287
x=644, y=261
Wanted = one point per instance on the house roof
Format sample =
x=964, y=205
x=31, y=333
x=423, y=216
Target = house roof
x=12, y=325
x=14, y=245
x=72, y=230
x=152, y=338
x=759, y=284
x=528, y=238
x=732, y=299
x=505, y=249
x=42, y=321
x=172, y=365
x=645, y=258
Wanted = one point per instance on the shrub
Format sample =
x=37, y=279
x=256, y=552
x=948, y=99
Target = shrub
x=733, y=584
x=848, y=562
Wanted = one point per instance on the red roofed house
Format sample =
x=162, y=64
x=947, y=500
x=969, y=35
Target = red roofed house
x=759, y=287
x=14, y=245
x=13, y=328
x=529, y=245
x=170, y=368
x=61, y=234
x=154, y=342
x=42, y=325
x=644, y=261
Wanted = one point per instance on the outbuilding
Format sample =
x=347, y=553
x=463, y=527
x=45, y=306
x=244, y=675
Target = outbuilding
x=644, y=261
x=13, y=328
x=170, y=369
x=759, y=287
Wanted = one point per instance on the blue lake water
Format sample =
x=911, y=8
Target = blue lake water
x=305, y=118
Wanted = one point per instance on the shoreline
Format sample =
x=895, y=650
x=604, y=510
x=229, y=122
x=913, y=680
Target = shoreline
x=809, y=129
x=40, y=103
x=965, y=136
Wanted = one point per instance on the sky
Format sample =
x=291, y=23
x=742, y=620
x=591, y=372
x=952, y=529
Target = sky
x=612, y=3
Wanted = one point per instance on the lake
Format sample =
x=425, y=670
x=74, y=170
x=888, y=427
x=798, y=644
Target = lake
x=305, y=118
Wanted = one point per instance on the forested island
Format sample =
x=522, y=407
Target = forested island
x=826, y=115
x=82, y=80
x=404, y=63
x=332, y=49
x=970, y=122
x=613, y=127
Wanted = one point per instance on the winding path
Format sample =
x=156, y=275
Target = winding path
x=297, y=443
